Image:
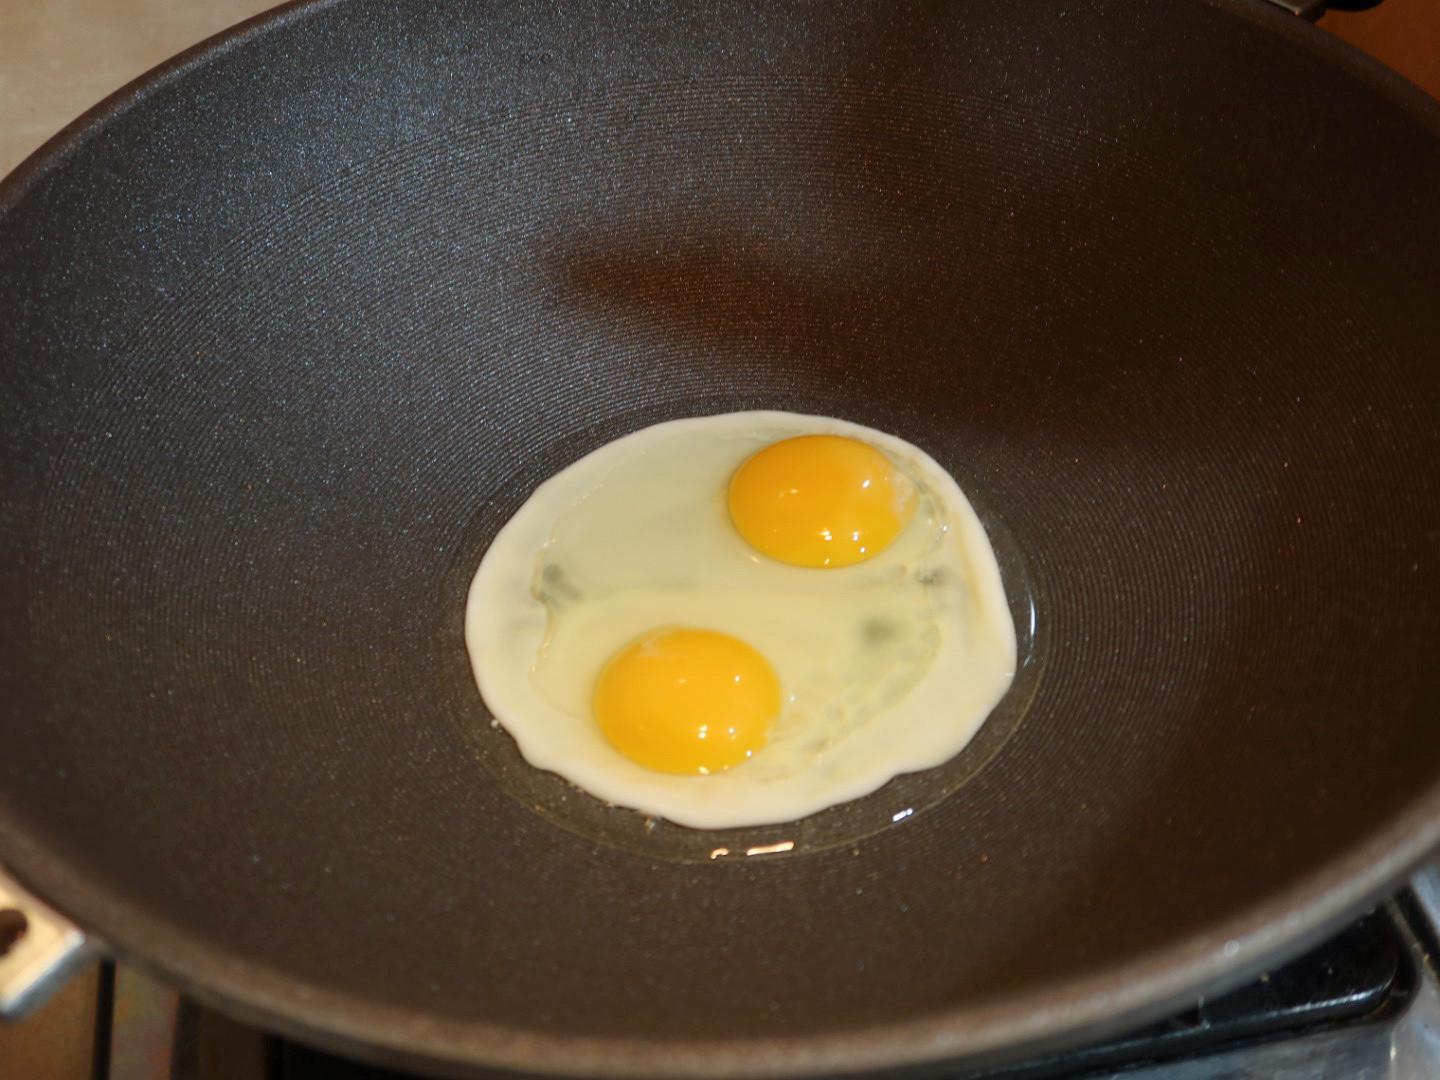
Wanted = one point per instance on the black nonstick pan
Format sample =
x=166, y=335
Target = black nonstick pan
x=288, y=328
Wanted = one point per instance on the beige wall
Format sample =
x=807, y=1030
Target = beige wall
x=59, y=57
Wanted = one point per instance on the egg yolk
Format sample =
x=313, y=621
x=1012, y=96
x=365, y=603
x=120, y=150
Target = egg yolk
x=687, y=701
x=820, y=501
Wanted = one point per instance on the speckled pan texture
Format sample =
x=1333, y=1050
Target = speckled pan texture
x=289, y=329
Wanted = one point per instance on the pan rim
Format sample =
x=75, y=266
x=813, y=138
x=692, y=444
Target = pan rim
x=1102, y=1003
x=1109, y=1000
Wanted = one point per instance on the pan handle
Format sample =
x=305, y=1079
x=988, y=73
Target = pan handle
x=1313, y=9
x=39, y=950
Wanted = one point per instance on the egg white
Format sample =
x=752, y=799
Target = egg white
x=888, y=666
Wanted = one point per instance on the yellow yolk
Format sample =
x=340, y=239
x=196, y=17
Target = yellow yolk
x=687, y=701
x=820, y=500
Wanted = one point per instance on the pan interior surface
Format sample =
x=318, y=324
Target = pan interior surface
x=284, y=335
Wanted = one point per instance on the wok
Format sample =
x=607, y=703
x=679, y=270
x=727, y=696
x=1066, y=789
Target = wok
x=290, y=325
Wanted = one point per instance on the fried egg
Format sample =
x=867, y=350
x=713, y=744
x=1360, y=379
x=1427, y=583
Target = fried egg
x=741, y=619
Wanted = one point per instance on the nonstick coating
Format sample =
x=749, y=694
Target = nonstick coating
x=288, y=327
